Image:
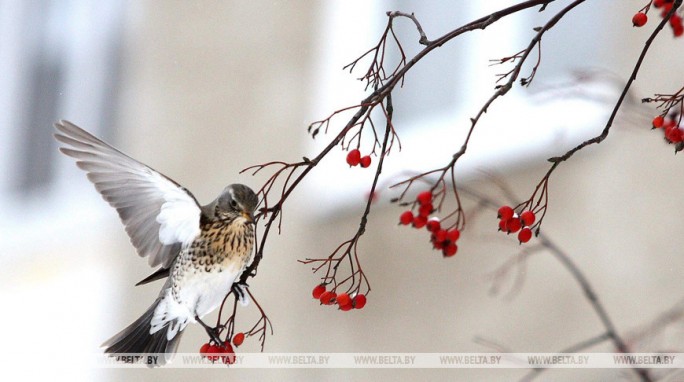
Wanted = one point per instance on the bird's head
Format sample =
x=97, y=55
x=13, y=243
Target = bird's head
x=236, y=201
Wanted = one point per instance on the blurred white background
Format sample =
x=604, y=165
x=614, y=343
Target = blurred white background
x=201, y=89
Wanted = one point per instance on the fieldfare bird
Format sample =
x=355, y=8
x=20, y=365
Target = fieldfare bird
x=203, y=250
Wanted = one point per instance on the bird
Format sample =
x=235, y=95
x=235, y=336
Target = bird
x=201, y=250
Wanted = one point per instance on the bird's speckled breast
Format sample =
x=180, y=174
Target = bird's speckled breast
x=223, y=246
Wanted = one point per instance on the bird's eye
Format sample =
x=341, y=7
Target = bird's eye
x=233, y=204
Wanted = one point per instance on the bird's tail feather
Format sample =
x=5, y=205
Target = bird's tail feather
x=155, y=349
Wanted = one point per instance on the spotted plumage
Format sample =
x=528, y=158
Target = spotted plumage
x=203, y=250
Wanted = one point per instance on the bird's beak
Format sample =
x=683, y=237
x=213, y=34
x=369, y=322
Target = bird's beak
x=248, y=216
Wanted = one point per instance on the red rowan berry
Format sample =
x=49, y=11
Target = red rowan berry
x=365, y=161
x=525, y=235
x=238, y=339
x=419, y=222
x=505, y=212
x=440, y=236
x=213, y=349
x=639, y=19
x=528, y=218
x=424, y=197
x=230, y=358
x=353, y=157
x=204, y=348
x=453, y=235
x=502, y=224
x=406, y=218
x=318, y=291
x=658, y=122
x=343, y=299
x=513, y=225
x=676, y=24
x=359, y=301
x=673, y=134
x=450, y=250
x=327, y=297
x=347, y=307
x=425, y=210
x=433, y=225
x=678, y=30
x=437, y=244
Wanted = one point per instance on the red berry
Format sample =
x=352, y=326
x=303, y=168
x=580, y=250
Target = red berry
x=230, y=358
x=425, y=209
x=433, y=225
x=419, y=222
x=359, y=301
x=658, y=3
x=354, y=157
x=327, y=297
x=213, y=349
x=424, y=197
x=437, y=244
x=658, y=122
x=639, y=19
x=528, y=218
x=513, y=225
x=347, y=307
x=502, y=224
x=365, y=161
x=450, y=250
x=676, y=24
x=343, y=299
x=525, y=235
x=238, y=339
x=440, y=236
x=505, y=213
x=453, y=235
x=673, y=134
x=406, y=218
x=204, y=348
x=318, y=291
x=678, y=30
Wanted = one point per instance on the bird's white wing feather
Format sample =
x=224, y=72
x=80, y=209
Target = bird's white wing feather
x=160, y=216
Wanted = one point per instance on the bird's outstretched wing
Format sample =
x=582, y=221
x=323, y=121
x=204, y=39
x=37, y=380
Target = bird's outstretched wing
x=159, y=214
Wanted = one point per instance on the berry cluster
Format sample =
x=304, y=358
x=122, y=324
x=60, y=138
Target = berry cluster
x=671, y=129
x=354, y=158
x=441, y=239
x=511, y=222
x=224, y=353
x=343, y=300
x=639, y=19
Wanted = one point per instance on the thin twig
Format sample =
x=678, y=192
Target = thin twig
x=578, y=276
x=500, y=91
x=606, y=130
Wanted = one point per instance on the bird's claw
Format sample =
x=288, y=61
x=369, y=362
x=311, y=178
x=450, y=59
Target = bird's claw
x=240, y=290
x=212, y=332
